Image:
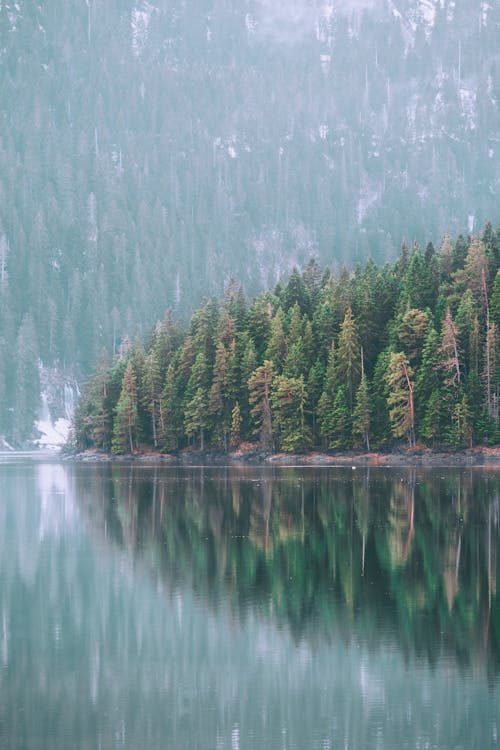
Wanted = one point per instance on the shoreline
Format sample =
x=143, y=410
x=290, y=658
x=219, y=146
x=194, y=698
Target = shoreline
x=481, y=456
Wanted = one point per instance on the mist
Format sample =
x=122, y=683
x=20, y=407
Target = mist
x=291, y=21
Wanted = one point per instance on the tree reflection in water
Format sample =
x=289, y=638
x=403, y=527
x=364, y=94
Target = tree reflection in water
x=410, y=554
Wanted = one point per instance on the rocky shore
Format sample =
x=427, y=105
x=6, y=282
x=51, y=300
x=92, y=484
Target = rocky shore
x=478, y=456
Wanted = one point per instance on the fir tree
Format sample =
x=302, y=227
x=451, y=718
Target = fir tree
x=235, y=426
x=289, y=398
x=195, y=416
x=126, y=420
x=277, y=345
x=341, y=424
x=362, y=414
x=400, y=400
x=325, y=404
x=170, y=411
x=260, y=384
x=348, y=363
x=434, y=418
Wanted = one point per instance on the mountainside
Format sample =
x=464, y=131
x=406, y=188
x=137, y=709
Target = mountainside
x=150, y=150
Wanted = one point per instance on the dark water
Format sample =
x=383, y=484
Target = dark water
x=230, y=609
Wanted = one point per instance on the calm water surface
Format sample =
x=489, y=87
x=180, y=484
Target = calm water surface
x=248, y=608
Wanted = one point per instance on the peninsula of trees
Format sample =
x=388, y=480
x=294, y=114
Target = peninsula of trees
x=403, y=353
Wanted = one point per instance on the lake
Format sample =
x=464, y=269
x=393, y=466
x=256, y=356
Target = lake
x=234, y=608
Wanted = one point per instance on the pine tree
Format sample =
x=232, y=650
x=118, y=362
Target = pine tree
x=126, y=420
x=314, y=389
x=362, y=414
x=491, y=374
x=259, y=385
x=381, y=425
x=495, y=301
x=289, y=398
x=325, y=404
x=196, y=416
x=467, y=326
x=235, y=426
x=460, y=435
x=152, y=393
x=428, y=380
x=411, y=333
x=348, y=363
x=400, y=400
x=434, y=418
x=170, y=411
x=341, y=424
x=277, y=346
x=450, y=363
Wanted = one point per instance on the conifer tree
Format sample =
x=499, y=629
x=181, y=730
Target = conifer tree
x=341, y=423
x=362, y=414
x=314, y=389
x=348, y=363
x=460, y=435
x=491, y=374
x=325, y=404
x=495, y=301
x=235, y=426
x=170, y=410
x=400, y=400
x=428, y=380
x=260, y=384
x=450, y=363
x=151, y=387
x=434, y=417
x=381, y=426
x=126, y=420
x=196, y=416
x=277, y=345
x=411, y=333
x=289, y=398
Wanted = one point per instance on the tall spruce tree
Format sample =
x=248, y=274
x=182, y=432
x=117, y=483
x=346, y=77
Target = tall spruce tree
x=260, y=385
x=400, y=399
x=126, y=419
x=348, y=361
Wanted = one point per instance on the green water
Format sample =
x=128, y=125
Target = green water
x=248, y=608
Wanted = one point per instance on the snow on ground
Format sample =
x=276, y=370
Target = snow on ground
x=428, y=11
x=53, y=435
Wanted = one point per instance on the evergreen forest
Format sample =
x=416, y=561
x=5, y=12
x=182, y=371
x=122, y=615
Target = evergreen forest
x=383, y=356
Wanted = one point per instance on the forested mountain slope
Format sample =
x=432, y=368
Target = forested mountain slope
x=148, y=150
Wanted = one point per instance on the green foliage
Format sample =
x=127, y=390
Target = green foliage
x=361, y=417
x=400, y=399
x=259, y=386
x=341, y=423
x=293, y=371
x=126, y=421
x=289, y=399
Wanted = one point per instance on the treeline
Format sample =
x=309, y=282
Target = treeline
x=404, y=352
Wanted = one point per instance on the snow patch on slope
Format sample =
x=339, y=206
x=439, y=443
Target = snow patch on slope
x=53, y=435
x=427, y=11
x=140, y=21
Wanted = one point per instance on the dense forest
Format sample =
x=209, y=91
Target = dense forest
x=401, y=353
x=151, y=150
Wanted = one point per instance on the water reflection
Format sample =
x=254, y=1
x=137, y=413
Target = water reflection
x=248, y=608
x=369, y=554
